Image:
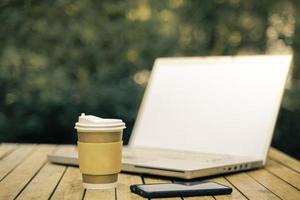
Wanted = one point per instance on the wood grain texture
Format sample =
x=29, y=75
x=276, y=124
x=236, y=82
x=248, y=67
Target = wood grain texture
x=14, y=183
x=44, y=183
x=290, y=176
x=70, y=186
x=284, y=159
x=6, y=148
x=124, y=182
x=9, y=162
x=108, y=194
x=27, y=175
x=275, y=184
x=235, y=195
x=249, y=187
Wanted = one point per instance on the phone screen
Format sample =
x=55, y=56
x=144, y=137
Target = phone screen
x=180, y=187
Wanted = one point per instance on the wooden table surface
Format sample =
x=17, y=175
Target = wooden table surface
x=26, y=174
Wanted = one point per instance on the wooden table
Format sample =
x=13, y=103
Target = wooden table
x=26, y=174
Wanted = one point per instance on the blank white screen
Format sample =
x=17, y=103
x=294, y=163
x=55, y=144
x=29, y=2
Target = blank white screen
x=223, y=105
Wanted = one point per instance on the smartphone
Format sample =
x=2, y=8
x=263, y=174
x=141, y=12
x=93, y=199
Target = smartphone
x=180, y=189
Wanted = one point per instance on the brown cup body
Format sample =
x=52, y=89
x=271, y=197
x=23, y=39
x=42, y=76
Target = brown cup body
x=100, y=137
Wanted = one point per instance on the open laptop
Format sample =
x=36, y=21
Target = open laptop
x=203, y=116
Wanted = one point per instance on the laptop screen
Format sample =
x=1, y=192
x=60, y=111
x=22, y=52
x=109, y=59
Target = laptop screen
x=225, y=105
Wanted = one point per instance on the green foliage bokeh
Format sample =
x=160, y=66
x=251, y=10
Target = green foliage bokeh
x=62, y=57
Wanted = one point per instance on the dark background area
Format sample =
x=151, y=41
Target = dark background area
x=59, y=58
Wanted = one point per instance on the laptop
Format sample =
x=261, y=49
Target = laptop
x=203, y=116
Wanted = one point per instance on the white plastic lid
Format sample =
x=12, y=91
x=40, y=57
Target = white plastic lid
x=91, y=123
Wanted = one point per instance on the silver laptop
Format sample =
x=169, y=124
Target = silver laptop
x=203, y=116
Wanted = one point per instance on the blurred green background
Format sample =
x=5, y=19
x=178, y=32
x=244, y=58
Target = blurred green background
x=59, y=58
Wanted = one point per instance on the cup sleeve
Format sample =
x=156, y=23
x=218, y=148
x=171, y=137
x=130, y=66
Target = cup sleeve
x=100, y=158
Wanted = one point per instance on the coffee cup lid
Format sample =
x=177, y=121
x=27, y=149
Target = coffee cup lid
x=91, y=123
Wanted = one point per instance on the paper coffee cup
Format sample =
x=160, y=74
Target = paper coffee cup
x=99, y=150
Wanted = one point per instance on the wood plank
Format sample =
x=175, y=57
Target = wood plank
x=108, y=194
x=235, y=195
x=9, y=162
x=157, y=180
x=249, y=187
x=275, y=184
x=43, y=184
x=6, y=148
x=70, y=186
x=284, y=159
x=285, y=173
x=14, y=183
x=123, y=190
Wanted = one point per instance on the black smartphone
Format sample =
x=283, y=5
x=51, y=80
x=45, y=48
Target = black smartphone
x=180, y=189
